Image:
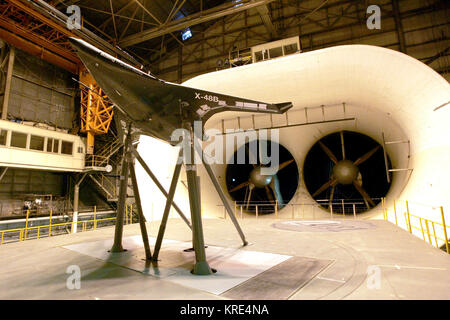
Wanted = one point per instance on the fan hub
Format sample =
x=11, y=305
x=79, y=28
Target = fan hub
x=345, y=172
x=258, y=179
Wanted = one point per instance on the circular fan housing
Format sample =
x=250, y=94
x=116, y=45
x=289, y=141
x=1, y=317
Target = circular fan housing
x=245, y=180
x=349, y=168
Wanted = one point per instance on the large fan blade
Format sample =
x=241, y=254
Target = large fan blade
x=240, y=186
x=366, y=156
x=246, y=193
x=268, y=193
x=342, y=145
x=364, y=194
x=325, y=186
x=331, y=197
x=285, y=164
x=249, y=196
x=328, y=152
x=275, y=184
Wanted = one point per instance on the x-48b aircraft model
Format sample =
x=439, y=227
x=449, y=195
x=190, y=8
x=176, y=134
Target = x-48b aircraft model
x=157, y=108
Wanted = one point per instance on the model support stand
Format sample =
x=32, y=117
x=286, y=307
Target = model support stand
x=128, y=168
x=201, y=266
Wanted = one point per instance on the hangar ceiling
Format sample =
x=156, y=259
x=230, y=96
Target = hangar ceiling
x=151, y=30
x=148, y=29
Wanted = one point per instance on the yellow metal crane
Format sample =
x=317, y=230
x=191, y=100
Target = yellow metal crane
x=96, y=109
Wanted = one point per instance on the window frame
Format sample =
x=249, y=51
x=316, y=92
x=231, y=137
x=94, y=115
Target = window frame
x=71, y=148
x=6, y=137
x=43, y=142
x=20, y=133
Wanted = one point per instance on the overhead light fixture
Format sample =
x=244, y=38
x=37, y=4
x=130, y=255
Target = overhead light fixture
x=186, y=34
x=238, y=3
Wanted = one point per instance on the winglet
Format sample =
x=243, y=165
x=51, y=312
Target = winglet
x=283, y=107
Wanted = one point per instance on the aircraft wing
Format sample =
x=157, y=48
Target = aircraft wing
x=155, y=106
x=208, y=103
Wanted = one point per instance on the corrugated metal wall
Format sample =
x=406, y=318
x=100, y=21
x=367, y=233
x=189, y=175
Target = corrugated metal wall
x=18, y=183
x=41, y=92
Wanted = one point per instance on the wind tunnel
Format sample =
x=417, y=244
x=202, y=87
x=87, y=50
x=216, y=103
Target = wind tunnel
x=366, y=90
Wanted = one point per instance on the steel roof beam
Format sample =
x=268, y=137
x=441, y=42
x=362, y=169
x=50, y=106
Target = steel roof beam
x=60, y=19
x=264, y=12
x=194, y=19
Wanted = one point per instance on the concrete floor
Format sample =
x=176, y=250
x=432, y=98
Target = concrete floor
x=383, y=262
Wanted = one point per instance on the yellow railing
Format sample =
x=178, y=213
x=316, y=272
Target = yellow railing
x=93, y=160
x=108, y=185
x=428, y=228
x=24, y=232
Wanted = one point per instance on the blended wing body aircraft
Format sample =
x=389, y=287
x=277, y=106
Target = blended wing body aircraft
x=157, y=107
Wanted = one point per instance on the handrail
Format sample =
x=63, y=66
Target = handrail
x=424, y=224
x=93, y=160
x=109, y=149
x=24, y=232
x=428, y=227
x=239, y=207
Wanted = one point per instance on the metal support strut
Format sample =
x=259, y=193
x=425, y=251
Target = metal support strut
x=76, y=196
x=223, y=198
x=158, y=184
x=117, y=246
x=201, y=266
x=128, y=169
x=169, y=201
x=137, y=198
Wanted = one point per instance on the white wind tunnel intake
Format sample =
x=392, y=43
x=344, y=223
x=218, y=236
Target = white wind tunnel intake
x=384, y=90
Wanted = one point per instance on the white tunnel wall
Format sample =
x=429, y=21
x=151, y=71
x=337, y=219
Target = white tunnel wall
x=385, y=90
x=299, y=139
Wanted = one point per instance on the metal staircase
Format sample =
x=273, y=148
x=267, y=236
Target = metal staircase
x=108, y=150
x=106, y=183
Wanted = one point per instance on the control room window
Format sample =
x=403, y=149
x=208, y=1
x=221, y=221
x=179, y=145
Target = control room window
x=37, y=143
x=66, y=147
x=18, y=139
x=52, y=145
x=275, y=52
x=290, y=48
x=3, y=137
